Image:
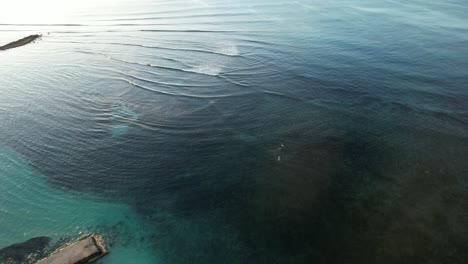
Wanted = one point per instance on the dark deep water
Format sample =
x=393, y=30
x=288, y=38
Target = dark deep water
x=176, y=109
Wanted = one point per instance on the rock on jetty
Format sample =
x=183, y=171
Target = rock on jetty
x=86, y=250
x=21, y=42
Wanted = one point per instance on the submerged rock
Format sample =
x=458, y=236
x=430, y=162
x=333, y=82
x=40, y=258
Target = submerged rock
x=25, y=252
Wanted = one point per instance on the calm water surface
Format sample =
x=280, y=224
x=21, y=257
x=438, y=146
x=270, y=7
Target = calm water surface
x=156, y=124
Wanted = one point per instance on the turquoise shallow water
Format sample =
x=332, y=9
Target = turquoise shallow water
x=31, y=208
x=157, y=123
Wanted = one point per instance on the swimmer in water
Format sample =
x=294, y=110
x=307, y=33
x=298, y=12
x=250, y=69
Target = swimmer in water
x=280, y=150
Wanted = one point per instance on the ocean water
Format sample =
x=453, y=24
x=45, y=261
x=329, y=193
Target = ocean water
x=157, y=124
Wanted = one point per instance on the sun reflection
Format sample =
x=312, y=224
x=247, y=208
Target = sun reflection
x=43, y=11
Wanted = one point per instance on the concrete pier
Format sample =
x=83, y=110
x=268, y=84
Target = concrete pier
x=85, y=250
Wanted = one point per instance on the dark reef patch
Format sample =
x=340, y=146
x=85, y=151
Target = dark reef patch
x=25, y=252
x=356, y=194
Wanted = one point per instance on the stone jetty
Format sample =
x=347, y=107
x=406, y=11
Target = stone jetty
x=21, y=42
x=85, y=250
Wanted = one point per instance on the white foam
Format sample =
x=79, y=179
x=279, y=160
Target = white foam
x=229, y=49
x=208, y=69
x=215, y=66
